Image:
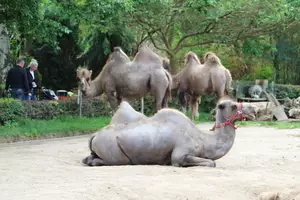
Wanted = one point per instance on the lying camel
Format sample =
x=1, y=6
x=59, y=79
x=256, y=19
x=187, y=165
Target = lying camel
x=166, y=138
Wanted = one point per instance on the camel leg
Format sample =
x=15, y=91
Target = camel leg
x=113, y=100
x=87, y=159
x=182, y=101
x=188, y=161
x=95, y=162
x=197, y=107
x=194, y=106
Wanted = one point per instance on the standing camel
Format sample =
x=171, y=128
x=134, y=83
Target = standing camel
x=122, y=78
x=197, y=80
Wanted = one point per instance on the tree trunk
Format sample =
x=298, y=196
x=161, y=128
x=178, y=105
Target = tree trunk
x=5, y=64
x=176, y=66
x=27, y=47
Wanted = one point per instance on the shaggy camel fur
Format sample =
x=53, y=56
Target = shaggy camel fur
x=167, y=138
x=122, y=78
x=197, y=79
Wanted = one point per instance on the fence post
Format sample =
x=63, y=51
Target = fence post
x=79, y=101
x=142, y=105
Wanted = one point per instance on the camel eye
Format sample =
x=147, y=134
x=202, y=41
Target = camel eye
x=221, y=106
x=234, y=107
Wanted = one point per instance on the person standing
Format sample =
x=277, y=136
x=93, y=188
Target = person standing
x=33, y=79
x=17, y=82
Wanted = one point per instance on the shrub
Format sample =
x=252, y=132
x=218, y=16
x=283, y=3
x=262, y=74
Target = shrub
x=42, y=109
x=53, y=109
x=283, y=91
x=10, y=110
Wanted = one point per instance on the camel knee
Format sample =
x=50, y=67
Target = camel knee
x=88, y=159
x=95, y=162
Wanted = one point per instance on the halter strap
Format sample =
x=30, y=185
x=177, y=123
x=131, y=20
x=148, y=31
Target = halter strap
x=239, y=113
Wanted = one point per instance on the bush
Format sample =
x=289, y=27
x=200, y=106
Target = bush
x=10, y=110
x=53, y=109
x=283, y=91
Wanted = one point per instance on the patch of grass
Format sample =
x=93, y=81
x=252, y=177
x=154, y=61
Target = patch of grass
x=68, y=124
x=275, y=124
x=203, y=117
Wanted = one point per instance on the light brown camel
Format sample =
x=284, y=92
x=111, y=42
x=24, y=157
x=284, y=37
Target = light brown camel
x=166, y=138
x=122, y=78
x=197, y=79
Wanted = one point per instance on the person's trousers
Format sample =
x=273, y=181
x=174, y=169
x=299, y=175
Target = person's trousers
x=17, y=93
x=32, y=97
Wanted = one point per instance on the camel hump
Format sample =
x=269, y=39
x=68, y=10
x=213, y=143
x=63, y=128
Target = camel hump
x=212, y=58
x=145, y=55
x=191, y=56
x=119, y=49
x=118, y=55
x=126, y=114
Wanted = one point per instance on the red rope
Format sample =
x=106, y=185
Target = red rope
x=239, y=113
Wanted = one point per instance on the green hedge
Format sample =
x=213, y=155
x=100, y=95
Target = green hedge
x=11, y=110
x=283, y=91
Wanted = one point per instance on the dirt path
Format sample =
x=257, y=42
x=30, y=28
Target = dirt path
x=261, y=159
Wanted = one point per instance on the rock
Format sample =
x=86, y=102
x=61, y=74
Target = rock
x=294, y=113
x=269, y=196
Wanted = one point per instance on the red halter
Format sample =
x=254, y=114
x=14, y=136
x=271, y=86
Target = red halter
x=239, y=113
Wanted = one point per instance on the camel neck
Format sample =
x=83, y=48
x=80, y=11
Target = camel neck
x=94, y=89
x=221, y=140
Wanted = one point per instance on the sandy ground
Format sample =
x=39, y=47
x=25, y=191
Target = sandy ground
x=261, y=159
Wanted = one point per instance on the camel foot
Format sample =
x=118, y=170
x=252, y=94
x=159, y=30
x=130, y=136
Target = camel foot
x=87, y=159
x=189, y=161
x=92, y=160
x=95, y=162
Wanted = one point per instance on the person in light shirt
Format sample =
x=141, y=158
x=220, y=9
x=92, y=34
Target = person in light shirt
x=33, y=79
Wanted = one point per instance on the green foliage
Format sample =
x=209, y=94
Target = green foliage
x=174, y=25
x=10, y=110
x=264, y=72
x=283, y=91
x=54, y=109
x=61, y=126
x=256, y=46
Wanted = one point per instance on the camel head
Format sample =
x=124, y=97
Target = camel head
x=232, y=111
x=85, y=76
x=166, y=64
x=190, y=56
x=212, y=58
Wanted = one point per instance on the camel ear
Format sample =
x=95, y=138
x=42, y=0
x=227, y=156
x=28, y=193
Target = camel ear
x=221, y=106
x=91, y=71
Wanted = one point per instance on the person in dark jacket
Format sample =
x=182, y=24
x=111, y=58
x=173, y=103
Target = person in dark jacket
x=33, y=79
x=17, y=81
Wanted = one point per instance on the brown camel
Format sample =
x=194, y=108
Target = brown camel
x=197, y=79
x=122, y=78
x=175, y=85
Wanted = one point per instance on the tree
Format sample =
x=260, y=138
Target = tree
x=173, y=25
